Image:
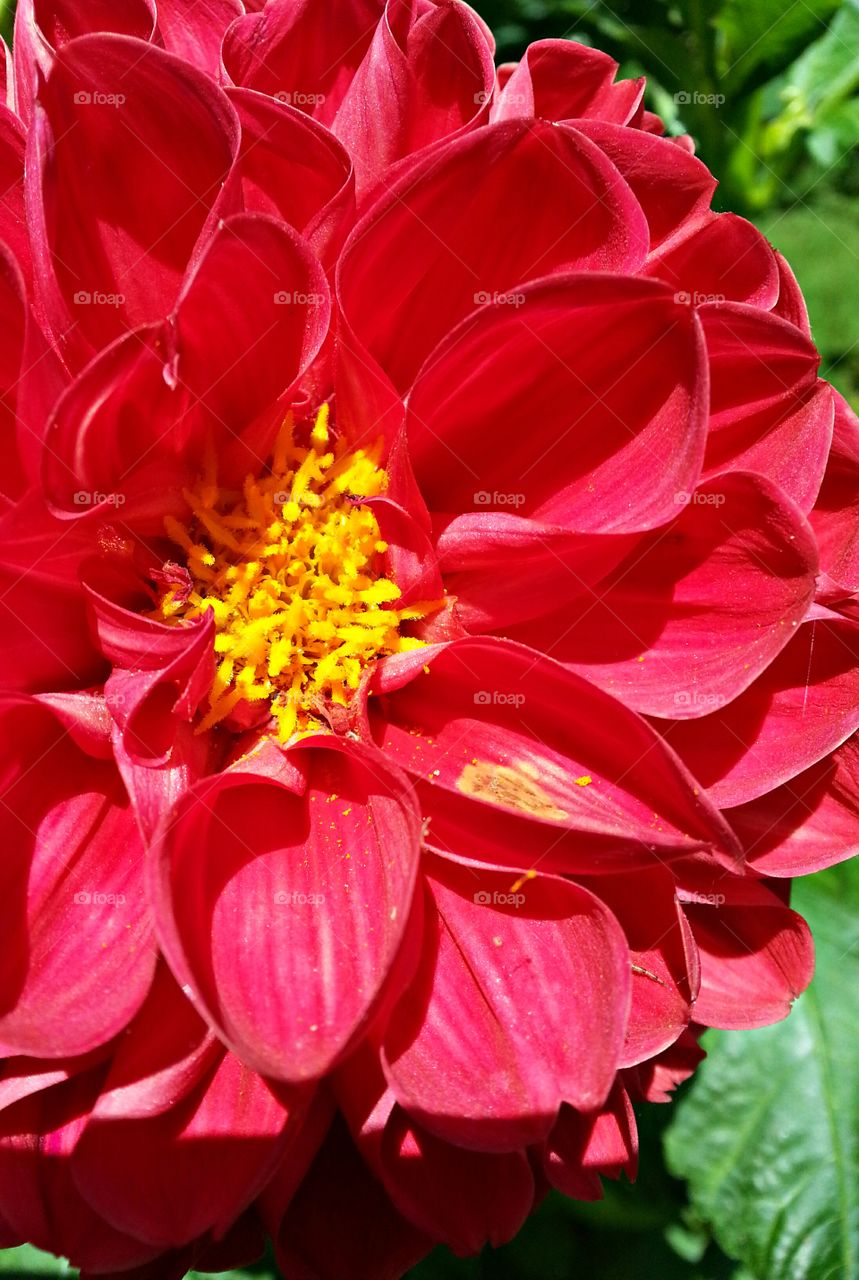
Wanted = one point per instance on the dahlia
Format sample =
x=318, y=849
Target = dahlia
x=428, y=571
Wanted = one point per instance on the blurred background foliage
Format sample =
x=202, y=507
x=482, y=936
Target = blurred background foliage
x=754, y=1173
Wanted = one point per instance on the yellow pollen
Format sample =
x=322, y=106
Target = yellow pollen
x=289, y=570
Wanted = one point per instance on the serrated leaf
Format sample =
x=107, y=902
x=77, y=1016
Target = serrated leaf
x=768, y=1135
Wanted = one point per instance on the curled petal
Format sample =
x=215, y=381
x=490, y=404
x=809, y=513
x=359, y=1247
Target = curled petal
x=282, y=909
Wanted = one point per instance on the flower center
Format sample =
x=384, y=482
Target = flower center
x=290, y=570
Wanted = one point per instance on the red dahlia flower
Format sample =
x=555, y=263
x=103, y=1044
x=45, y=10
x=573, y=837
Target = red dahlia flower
x=427, y=585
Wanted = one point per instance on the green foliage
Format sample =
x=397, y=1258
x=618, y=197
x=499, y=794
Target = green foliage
x=768, y=1135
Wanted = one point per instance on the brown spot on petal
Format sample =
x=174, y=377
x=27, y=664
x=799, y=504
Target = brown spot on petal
x=509, y=787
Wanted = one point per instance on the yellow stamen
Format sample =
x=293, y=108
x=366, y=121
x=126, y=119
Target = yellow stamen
x=289, y=570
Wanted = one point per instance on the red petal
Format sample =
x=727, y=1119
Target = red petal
x=835, y=518
x=809, y=823
x=528, y=989
x=195, y=1167
x=294, y=168
x=768, y=412
x=372, y=1241
x=434, y=245
x=723, y=259
x=629, y=361
x=464, y=1199
x=665, y=976
x=505, y=779
x=562, y=80
x=581, y=1147
x=126, y=186
x=756, y=954
x=78, y=958
x=295, y=50
x=195, y=31
x=46, y=643
x=673, y=187
x=427, y=75
x=37, y=1190
x=699, y=609
x=802, y=707
x=283, y=912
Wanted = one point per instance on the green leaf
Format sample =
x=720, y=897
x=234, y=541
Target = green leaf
x=768, y=1135
x=759, y=38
